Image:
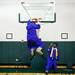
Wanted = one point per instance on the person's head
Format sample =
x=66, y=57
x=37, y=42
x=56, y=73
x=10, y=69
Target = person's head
x=51, y=44
x=55, y=44
x=36, y=20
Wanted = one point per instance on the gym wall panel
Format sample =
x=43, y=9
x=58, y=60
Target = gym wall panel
x=10, y=51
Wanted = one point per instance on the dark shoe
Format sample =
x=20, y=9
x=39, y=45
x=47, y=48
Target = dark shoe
x=46, y=73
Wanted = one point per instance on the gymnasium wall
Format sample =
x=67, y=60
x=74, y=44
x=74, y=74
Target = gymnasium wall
x=10, y=51
x=49, y=31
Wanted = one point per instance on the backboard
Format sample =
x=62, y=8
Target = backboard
x=37, y=9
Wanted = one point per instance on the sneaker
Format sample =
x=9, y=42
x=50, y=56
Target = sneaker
x=46, y=73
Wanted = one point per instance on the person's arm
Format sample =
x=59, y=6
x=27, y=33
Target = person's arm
x=36, y=26
x=29, y=21
x=28, y=24
x=49, y=51
x=32, y=26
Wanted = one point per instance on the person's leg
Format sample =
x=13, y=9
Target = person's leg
x=39, y=50
x=54, y=64
x=49, y=65
x=31, y=48
x=39, y=46
x=32, y=51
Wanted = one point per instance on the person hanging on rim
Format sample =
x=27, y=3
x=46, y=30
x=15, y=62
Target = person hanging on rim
x=34, y=43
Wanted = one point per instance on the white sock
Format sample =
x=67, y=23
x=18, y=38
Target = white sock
x=39, y=50
x=32, y=51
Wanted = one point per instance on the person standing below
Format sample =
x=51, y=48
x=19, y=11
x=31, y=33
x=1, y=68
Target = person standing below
x=52, y=57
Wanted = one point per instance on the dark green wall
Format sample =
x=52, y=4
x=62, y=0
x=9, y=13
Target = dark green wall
x=9, y=51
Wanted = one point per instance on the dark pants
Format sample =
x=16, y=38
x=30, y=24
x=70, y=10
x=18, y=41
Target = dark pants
x=51, y=63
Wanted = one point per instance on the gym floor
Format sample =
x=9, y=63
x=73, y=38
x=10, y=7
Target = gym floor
x=33, y=74
x=15, y=71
